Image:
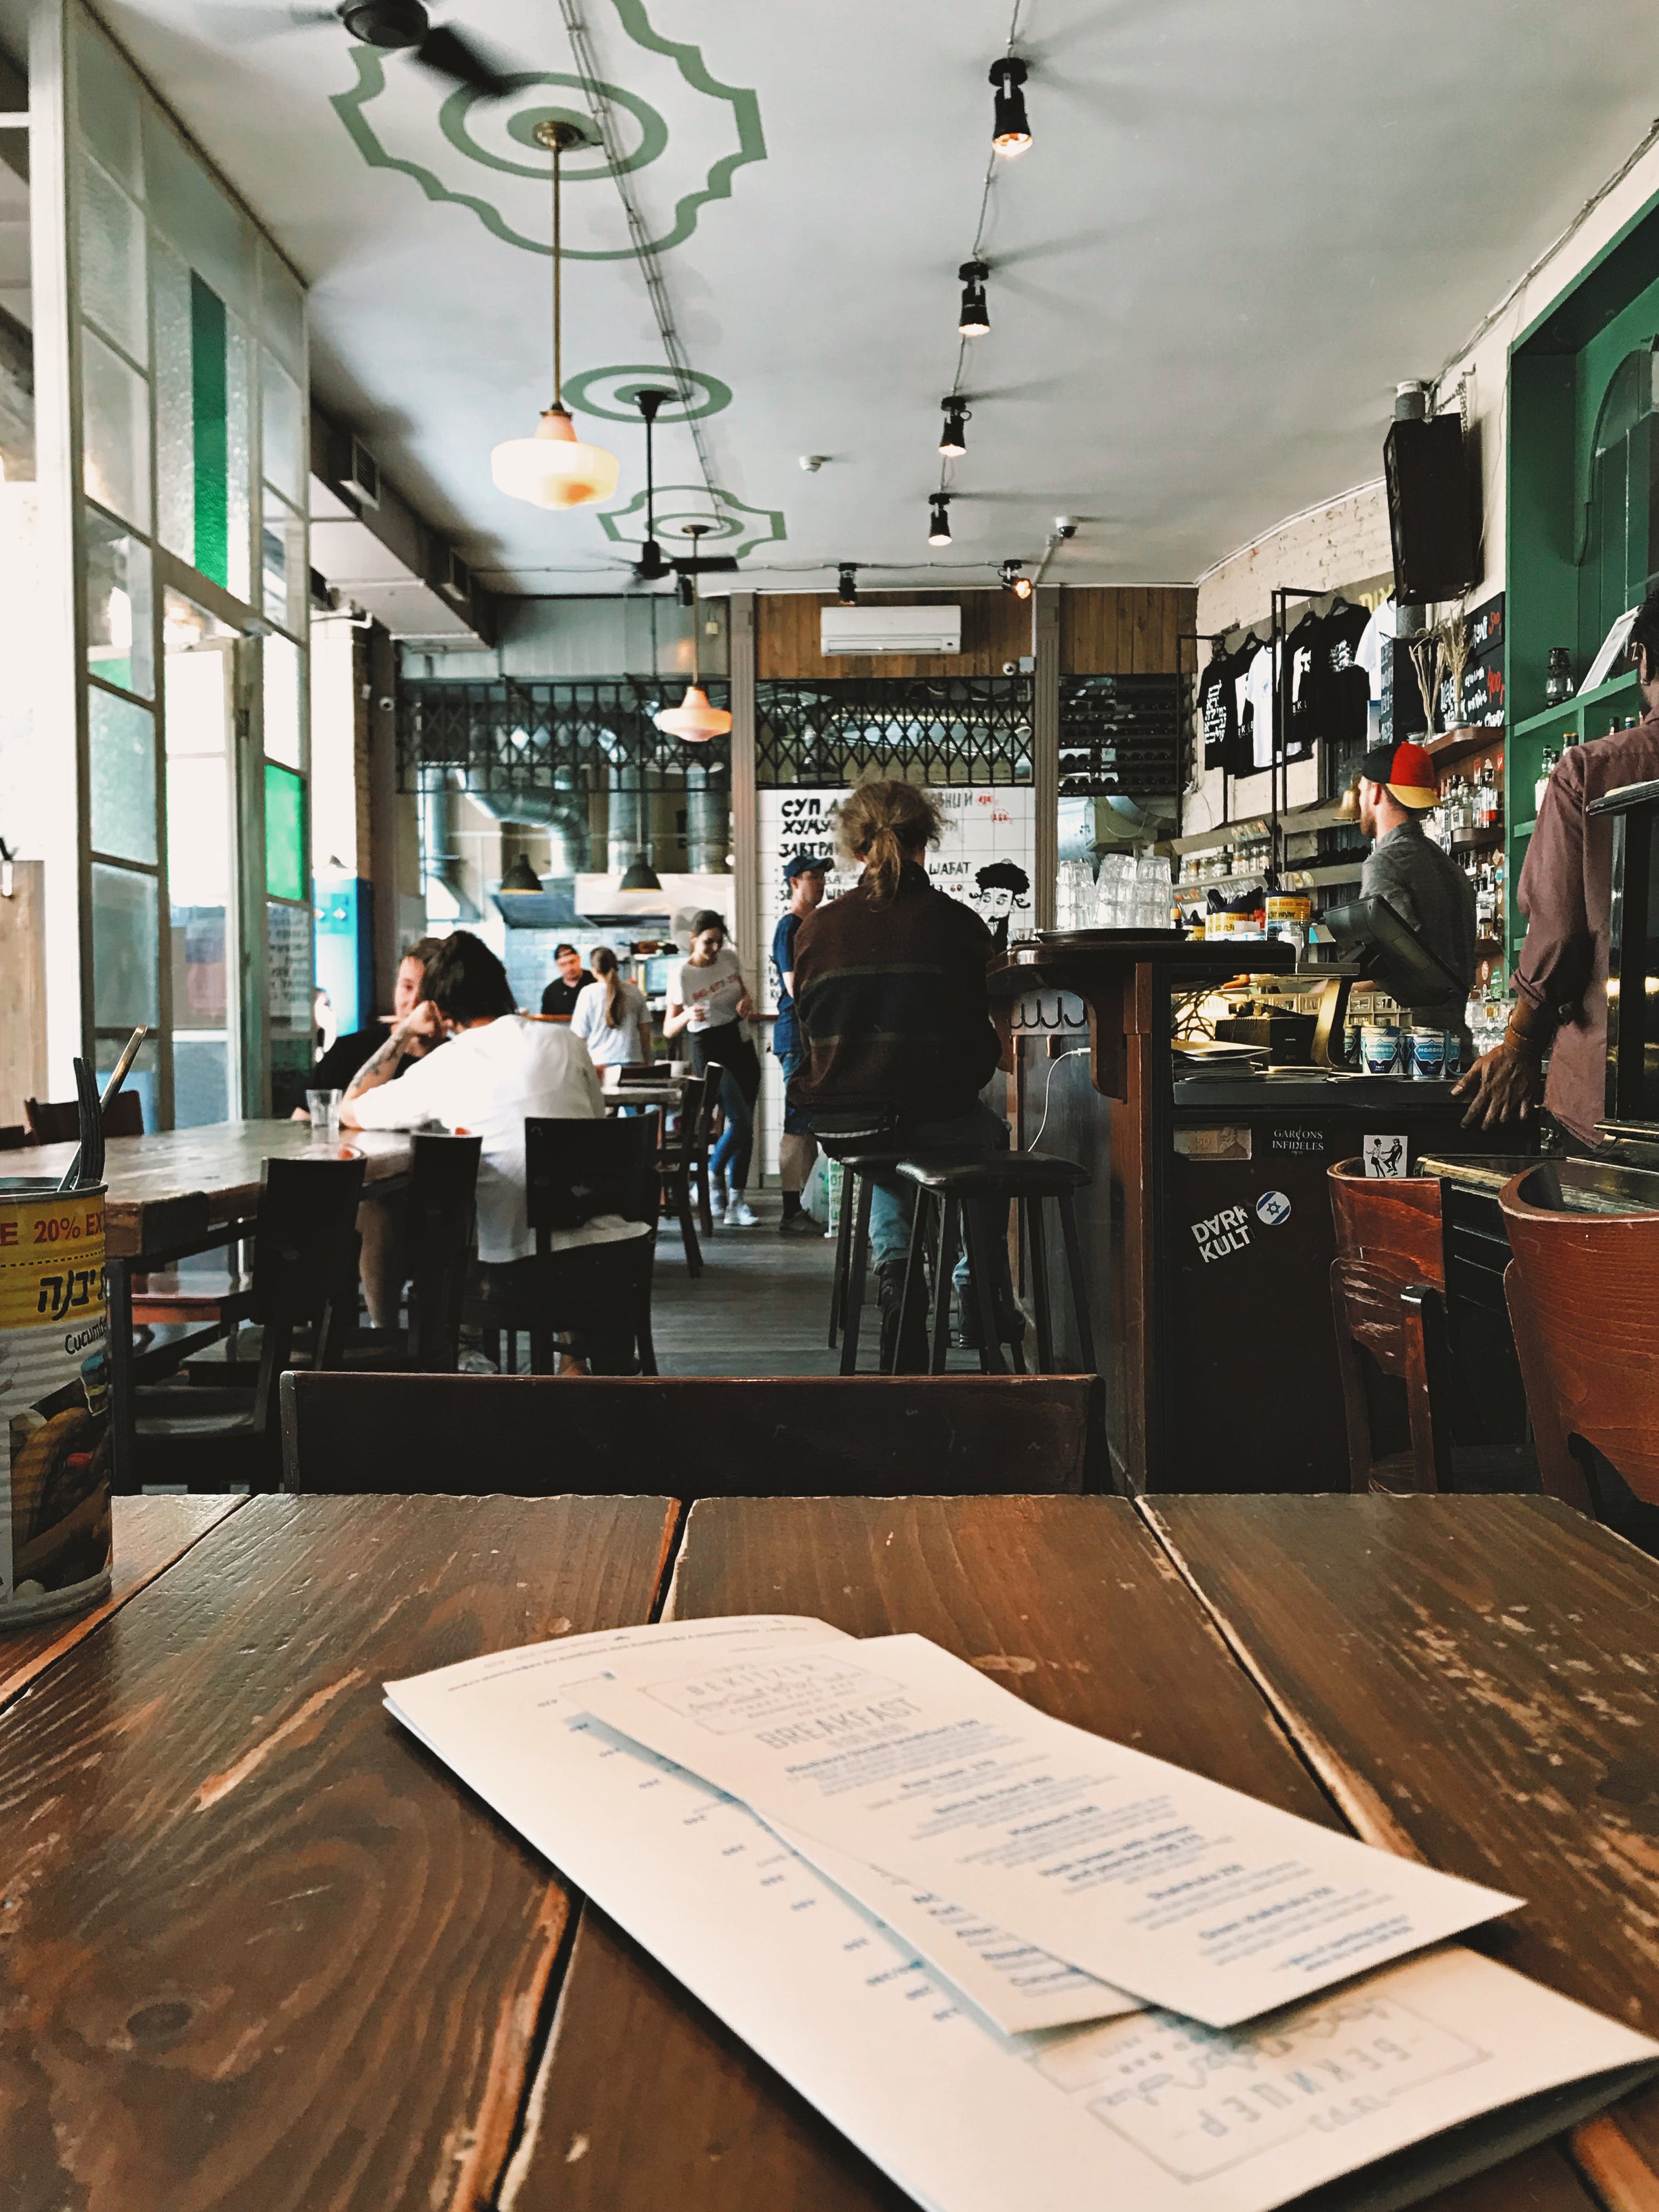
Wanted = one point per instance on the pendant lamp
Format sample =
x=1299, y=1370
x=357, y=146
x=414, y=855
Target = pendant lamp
x=555, y=468
x=694, y=720
x=520, y=877
x=642, y=876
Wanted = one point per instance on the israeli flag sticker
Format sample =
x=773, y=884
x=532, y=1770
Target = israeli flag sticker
x=1272, y=1207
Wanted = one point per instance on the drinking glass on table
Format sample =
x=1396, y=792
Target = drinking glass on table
x=324, y=1107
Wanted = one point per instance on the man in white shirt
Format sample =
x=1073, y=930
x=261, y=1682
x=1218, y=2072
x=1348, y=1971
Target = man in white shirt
x=500, y=1068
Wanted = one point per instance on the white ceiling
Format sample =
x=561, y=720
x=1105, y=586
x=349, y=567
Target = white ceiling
x=1238, y=226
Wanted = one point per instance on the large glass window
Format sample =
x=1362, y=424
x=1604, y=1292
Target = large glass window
x=192, y=348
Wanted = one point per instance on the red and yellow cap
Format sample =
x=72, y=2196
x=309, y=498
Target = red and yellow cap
x=1406, y=774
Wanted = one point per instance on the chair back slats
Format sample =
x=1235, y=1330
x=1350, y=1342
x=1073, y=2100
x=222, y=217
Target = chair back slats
x=1587, y=1315
x=57, y=1121
x=1393, y=1222
x=700, y=1436
x=1387, y=1304
x=442, y=1203
x=575, y=1171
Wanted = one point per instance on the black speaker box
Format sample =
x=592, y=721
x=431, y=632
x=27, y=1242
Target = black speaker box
x=1431, y=516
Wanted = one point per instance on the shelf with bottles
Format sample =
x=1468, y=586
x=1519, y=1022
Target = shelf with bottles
x=1621, y=692
x=1448, y=748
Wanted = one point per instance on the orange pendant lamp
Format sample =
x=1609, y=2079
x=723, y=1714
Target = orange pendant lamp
x=694, y=720
x=555, y=468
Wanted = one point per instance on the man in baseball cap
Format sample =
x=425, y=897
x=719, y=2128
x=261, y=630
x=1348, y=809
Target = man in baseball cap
x=1425, y=886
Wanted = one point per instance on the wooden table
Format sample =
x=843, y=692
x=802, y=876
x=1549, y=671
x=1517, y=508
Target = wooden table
x=670, y=1095
x=171, y=1195
x=262, y=1952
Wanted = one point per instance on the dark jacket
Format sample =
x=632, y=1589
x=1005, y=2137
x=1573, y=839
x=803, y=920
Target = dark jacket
x=892, y=1003
x=1431, y=895
x=1566, y=893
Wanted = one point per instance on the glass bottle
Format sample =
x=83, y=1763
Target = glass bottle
x=1558, y=684
x=1543, y=782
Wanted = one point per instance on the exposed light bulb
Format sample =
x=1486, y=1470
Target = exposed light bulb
x=954, y=438
x=974, y=320
x=1011, y=133
x=1014, y=580
x=939, y=519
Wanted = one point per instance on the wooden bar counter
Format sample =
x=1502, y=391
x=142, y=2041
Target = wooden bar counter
x=1207, y=1230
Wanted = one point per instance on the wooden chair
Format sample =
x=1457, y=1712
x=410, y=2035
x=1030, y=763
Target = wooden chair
x=1583, y=1295
x=1388, y=1286
x=57, y=1122
x=704, y=1128
x=696, y=1436
x=574, y=1171
x=677, y=1168
x=15, y=1137
x=305, y=1270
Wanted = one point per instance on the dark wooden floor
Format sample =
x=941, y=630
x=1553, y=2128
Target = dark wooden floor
x=760, y=1307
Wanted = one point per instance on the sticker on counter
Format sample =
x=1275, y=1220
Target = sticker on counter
x=1272, y=1207
x=1226, y=1232
x=1297, y=1140
x=1222, y=1144
x=1384, y=1155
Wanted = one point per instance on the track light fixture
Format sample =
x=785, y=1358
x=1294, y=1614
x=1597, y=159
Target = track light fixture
x=939, y=519
x=847, y=578
x=954, y=438
x=1014, y=578
x=975, y=318
x=1011, y=133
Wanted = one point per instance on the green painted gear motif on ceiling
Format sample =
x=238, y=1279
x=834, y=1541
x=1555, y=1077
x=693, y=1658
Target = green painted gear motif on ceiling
x=735, y=527
x=650, y=131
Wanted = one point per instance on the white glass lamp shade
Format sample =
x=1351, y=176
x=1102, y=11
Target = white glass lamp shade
x=694, y=719
x=554, y=468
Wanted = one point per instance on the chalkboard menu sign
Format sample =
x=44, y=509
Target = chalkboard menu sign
x=1482, y=703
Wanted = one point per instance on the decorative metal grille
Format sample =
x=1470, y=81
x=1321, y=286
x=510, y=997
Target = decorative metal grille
x=1120, y=735
x=543, y=747
x=929, y=729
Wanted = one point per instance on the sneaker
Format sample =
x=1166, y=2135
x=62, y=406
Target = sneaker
x=738, y=1216
x=798, y=1223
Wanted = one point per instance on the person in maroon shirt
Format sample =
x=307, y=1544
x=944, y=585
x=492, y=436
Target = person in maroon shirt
x=1565, y=889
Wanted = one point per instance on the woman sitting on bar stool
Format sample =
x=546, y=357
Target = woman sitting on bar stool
x=895, y=1021
x=709, y=1000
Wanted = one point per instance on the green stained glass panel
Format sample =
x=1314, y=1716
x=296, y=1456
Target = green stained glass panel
x=285, y=833
x=210, y=441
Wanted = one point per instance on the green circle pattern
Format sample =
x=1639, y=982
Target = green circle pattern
x=454, y=121
x=716, y=396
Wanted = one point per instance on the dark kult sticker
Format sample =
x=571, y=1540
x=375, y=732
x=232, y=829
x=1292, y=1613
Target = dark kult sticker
x=1223, y=1232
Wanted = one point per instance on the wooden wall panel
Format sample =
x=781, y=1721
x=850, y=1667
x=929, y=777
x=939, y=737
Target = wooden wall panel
x=1115, y=630
x=23, y=990
x=995, y=627
x=1128, y=629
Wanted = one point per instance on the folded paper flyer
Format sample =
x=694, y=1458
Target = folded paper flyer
x=1430, y=2069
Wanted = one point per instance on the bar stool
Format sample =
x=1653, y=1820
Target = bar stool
x=859, y=1168
x=961, y=1189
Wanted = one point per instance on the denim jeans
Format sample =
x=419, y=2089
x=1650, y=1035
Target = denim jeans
x=729, y=1050
x=893, y=1204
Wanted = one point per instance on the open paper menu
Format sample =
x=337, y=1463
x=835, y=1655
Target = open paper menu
x=1184, y=1891
x=1144, y=2113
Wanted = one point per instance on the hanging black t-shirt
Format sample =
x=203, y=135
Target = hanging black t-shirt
x=1343, y=687
x=1217, y=707
x=1305, y=655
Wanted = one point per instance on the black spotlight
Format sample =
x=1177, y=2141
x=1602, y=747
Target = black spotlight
x=939, y=519
x=847, y=578
x=686, y=591
x=975, y=318
x=1011, y=133
x=1014, y=580
x=954, y=438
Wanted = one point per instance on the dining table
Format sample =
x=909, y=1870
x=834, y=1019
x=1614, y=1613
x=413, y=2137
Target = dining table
x=259, y=1949
x=176, y=1193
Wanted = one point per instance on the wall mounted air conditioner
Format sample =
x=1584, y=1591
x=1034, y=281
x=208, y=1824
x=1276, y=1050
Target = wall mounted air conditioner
x=889, y=630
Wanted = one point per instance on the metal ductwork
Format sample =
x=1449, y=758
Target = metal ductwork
x=628, y=824
x=707, y=822
x=442, y=862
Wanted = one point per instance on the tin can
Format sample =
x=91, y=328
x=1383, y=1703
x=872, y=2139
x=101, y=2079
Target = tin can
x=54, y=1402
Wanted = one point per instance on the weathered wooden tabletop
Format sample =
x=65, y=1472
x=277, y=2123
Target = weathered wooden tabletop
x=164, y=1189
x=258, y=1950
x=260, y=1954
